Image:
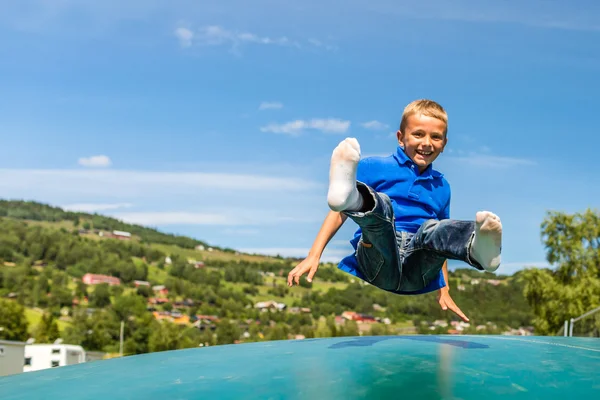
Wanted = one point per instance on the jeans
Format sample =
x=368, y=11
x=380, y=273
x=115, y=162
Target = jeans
x=403, y=261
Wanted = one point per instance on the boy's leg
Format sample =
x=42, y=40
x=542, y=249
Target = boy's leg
x=477, y=243
x=377, y=251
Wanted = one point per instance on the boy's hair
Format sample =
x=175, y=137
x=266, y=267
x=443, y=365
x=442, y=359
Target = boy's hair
x=424, y=107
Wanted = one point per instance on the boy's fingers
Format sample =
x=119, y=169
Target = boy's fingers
x=457, y=310
x=291, y=276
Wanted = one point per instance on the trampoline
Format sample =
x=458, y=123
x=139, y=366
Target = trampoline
x=373, y=367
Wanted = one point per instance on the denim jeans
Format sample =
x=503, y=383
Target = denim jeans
x=403, y=261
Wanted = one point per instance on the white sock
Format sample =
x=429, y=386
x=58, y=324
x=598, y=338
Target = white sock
x=343, y=194
x=488, y=240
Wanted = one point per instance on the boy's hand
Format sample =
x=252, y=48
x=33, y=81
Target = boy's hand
x=309, y=265
x=446, y=302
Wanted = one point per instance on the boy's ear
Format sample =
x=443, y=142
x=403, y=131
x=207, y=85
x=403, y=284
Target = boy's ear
x=399, y=137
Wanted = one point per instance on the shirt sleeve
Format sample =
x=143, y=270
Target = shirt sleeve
x=445, y=213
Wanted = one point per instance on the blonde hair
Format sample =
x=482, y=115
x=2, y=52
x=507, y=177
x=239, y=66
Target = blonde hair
x=424, y=107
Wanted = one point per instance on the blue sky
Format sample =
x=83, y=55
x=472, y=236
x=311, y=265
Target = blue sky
x=216, y=119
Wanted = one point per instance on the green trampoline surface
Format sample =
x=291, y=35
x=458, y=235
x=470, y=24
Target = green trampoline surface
x=380, y=367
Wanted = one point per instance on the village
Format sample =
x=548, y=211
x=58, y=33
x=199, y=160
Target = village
x=177, y=312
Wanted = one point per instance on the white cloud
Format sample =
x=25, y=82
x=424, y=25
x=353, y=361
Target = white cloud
x=185, y=36
x=295, y=128
x=215, y=35
x=375, y=125
x=265, y=105
x=95, y=161
x=176, y=218
x=95, y=207
x=122, y=184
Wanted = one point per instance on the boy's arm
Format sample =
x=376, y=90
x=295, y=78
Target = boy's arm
x=444, y=298
x=445, y=270
x=333, y=221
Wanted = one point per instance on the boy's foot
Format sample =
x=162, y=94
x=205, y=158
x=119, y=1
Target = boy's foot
x=343, y=194
x=487, y=243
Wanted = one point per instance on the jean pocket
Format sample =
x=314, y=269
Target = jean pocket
x=370, y=260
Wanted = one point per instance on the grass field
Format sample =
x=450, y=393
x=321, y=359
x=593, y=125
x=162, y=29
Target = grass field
x=34, y=317
x=206, y=255
x=68, y=225
x=203, y=255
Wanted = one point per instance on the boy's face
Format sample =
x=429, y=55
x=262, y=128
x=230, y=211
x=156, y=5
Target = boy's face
x=423, y=139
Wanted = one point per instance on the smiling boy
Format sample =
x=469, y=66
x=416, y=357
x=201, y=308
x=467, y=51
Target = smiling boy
x=402, y=207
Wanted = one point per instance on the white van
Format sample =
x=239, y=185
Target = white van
x=43, y=356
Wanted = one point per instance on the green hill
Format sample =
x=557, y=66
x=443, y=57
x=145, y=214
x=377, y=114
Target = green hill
x=34, y=211
x=210, y=295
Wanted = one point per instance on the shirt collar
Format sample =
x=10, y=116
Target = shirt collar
x=403, y=159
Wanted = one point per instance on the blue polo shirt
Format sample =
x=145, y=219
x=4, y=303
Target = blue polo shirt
x=415, y=199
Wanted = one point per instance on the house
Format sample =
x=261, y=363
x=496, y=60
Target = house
x=95, y=279
x=270, y=304
x=160, y=289
x=43, y=356
x=12, y=355
x=459, y=325
x=297, y=310
x=349, y=315
x=209, y=318
x=121, y=235
x=354, y=316
x=157, y=300
x=141, y=283
x=161, y=315
x=365, y=318
x=181, y=319
x=184, y=303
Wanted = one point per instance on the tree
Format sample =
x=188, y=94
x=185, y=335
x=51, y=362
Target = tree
x=572, y=243
x=227, y=332
x=100, y=296
x=13, y=323
x=46, y=330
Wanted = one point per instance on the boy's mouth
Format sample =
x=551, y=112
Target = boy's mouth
x=424, y=153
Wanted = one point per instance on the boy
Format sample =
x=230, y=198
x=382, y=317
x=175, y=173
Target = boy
x=401, y=205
